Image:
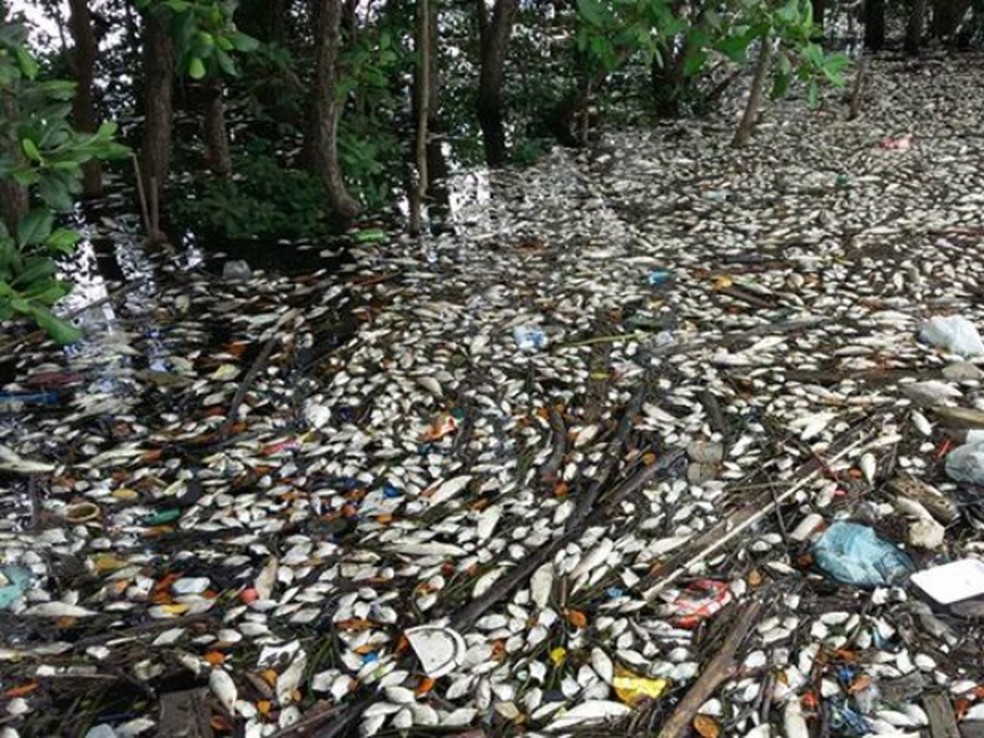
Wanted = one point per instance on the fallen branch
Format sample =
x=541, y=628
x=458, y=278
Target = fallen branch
x=254, y=371
x=857, y=95
x=726, y=531
x=144, y=628
x=719, y=670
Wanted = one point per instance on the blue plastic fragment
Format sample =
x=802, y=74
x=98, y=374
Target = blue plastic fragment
x=18, y=579
x=28, y=398
x=854, y=554
x=658, y=277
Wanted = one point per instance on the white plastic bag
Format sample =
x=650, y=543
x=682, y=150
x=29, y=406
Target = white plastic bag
x=954, y=334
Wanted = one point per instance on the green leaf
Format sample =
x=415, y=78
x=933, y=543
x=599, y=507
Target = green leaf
x=26, y=177
x=29, y=67
x=31, y=150
x=35, y=270
x=55, y=193
x=694, y=63
x=63, y=240
x=226, y=63
x=591, y=12
x=780, y=85
x=196, y=68
x=735, y=47
x=35, y=227
x=60, y=330
x=247, y=44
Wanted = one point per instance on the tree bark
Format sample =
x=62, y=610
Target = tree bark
x=748, y=120
x=947, y=15
x=819, y=10
x=13, y=196
x=494, y=35
x=266, y=20
x=914, y=28
x=155, y=150
x=326, y=109
x=874, y=25
x=83, y=106
x=423, y=86
x=216, y=136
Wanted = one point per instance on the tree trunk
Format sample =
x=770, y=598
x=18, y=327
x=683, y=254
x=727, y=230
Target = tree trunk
x=423, y=86
x=947, y=15
x=819, y=10
x=494, y=35
x=326, y=109
x=669, y=79
x=874, y=25
x=265, y=20
x=747, y=125
x=13, y=197
x=914, y=28
x=83, y=107
x=155, y=148
x=216, y=136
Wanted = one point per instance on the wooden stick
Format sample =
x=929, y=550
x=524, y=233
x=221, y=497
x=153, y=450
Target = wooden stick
x=155, y=211
x=857, y=96
x=142, y=196
x=751, y=519
x=254, y=371
x=719, y=670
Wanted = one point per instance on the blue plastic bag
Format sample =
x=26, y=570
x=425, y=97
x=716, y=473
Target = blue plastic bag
x=853, y=554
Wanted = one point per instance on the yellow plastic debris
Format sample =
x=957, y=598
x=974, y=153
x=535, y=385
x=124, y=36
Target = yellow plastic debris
x=558, y=655
x=633, y=689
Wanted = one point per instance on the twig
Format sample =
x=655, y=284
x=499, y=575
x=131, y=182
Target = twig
x=613, y=454
x=474, y=610
x=556, y=458
x=857, y=95
x=142, y=196
x=141, y=629
x=313, y=720
x=720, y=668
x=721, y=536
x=615, y=338
x=155, y=212
x=258, y=364
x=627, y=488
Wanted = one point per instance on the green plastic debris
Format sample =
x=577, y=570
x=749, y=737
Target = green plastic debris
x=371, y=235
x=16, y=579
x=163, y=517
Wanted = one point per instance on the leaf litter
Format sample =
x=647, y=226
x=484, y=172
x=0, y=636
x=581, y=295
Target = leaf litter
x=503, y=481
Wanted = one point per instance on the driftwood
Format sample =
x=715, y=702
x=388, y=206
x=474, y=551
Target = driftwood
x=254, y=371
x=942, y=723
x=716, y=672
x=185, y=714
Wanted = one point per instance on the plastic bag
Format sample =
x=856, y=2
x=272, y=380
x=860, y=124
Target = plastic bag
x=966, y=463
x=854, y=554
x=954, y=334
